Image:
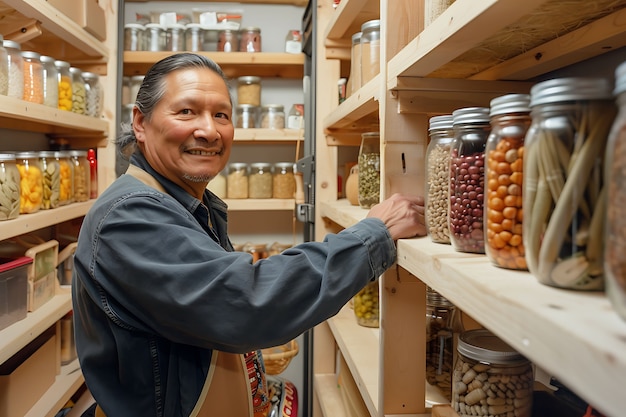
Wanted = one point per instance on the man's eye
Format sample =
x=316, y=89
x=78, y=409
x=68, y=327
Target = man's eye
x=221, y=116
x=185, y=111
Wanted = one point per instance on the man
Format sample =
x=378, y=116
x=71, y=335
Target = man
x=157, y=288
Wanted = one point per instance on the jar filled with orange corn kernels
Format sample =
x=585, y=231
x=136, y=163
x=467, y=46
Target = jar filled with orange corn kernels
x=510, y=119
x=31, y=182
x=65, y=85
x=66, y=174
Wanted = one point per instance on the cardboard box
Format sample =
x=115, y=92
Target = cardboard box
x=27, y=375
x=13, y=290
x=87, y=13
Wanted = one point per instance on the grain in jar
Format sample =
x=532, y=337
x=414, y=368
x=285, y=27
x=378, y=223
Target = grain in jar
x=366, y=305
x=228, y=41
x=93, y=94
x=237, y=180
x=82, y=179
x=250, y=39
x=50, y=82
x=273, y=116
x=354, y=79
x=31, y=182
x=4, y=69
x=370, y=50
x=249, y=90
x=369, y=170
x=283, y=180
x=33, y=77
x=246, y=116
x=175, y=37
x=16, y=69
x=134, y=37
x=78, y=91
x=9, y=187
x=504, y=159
x=51, y=172
x=66, y=177
x=65, y=85
x=260, y=180
x=490, y=379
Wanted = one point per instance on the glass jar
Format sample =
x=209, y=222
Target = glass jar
x=78, y=91
x=65, y=85
x=467, y=177
x=16, y=69
x=175, y=37
x=437, y=178
x=228, y=41
x=33, y=77
x=249, y=90
x=154, y=37
x=355, y=64
x=250, y=39
x=218, y=185
x=81, y=177
x=134, y=37
x=193, y=37
x=260, y=180
x=293, y=42
x=615, y=182
x=51, y=171
x=93, y=94
x=295, y=119
x=4, y=69
x=237, y=181
x=563, y=171
x=369, y=170
x=93, y=173
x=277, y=248
x=31, y=182
x=504, y=158
x=273, y=116
x=50, y=82
x=370, y=50
x=9, y=187
x=440, y=341
x=246, y=116
x=135, y=85
x=366, y=305
x=490, y=379
x=66, y=177
x=257, y=250
x=283, y=180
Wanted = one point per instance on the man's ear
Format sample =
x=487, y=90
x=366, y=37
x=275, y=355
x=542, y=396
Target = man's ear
x=138, y=124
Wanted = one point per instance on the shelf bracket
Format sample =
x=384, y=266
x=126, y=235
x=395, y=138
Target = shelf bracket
x=27, y=31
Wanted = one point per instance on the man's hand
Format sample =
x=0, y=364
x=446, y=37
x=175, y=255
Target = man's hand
x=402, y=214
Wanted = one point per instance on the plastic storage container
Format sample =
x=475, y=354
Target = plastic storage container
x=260, y=180
x=283, y=180
x=65, y=85
x=16, y=69
x=295, y=118
x=31, y=182
x=4, y=69
x=273, y=116
x=249, y=90
x=369, y=170
x=93, y=94
x=366, y=305
x=13, y=290
x=50, y=82
x=370, y=50
x=33, y=77
x=9, y=187
x=78, y=91
x=81, y=177
x=250, y=39
x=246, y=116
x=51, y=171
x=134, y=37
x=563, y=170
x=237, y=180
x=437, y=178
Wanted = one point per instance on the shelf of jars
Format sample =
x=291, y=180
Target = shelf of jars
x=300, y=3
x=269, y=135
x=234, y=64
x=65, y=385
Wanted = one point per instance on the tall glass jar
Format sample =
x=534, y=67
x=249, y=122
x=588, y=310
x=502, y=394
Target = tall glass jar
x=154, y=37
x=467, y=177
x=175, y=37
x=237, y=180
x=66, y=174
x=9, y=187
x=228, y=41
x=250, y=39
x=16, y=69
x=193, y=37
x=440, y=341
x=246, y=116
x=65, y=85
x=31, y=182
x=249, y=90
x=437, y=178
x=93, y=94
x=82, y=178
x=564, y=202
x=369, y=170
x=354, y=80
x=50, y=82
x=260, y=180
x=51, y=179
x=33, y=77
x=366, y=305
x=273, y=116
x=615, y=182
x=370, y=50
x=218, y=185
x=134, y=37
x=490, y=379
x=293, y=42
x=78, y=91
x=283, y=180
x=504, y=158
x=4, y=69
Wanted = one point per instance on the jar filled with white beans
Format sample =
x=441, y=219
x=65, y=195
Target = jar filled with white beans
x=93, y=94
x=16, y=69
x=50, y=82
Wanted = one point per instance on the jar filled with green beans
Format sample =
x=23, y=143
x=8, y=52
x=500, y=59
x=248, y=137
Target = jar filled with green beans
x=369, y=170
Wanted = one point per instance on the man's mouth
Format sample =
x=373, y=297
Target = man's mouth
x=204, y=153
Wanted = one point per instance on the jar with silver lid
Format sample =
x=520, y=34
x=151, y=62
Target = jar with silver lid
x=78, y=91
x=228, y=41
x=82, y=179
x=237, y=180
x=93, y=94
x=354, y=79
x=50, y=82
x=51, y=179
x=273, y=116
x=249, y=90
x=16, y=69
x=283, y=180
x=369, y=170
x=33, y=77
x=134, y=37
x=175, y=37
x=246, y=116
x=65, y=85
x=31, y=182
x=370, y=50
x=193, y=37
x=293, y=42
x=260, y=180
x=66, y=174
x=250, y=39
x=9, y=187
x=4, y=69
x=154, y=37
x=295, y=119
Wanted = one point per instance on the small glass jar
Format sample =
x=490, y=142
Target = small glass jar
x=50, y=82
x=82, y=179
x=563, y=170
x=273, y=116
x=366, y=305
x=135, y=85
x=504, y=158
x=134, y=37
x=293, y=42
x=437, y=178
x=283, y=180
x=295, y=119
x=4, y=69
x=370, y=50
x=260, y=180
x=257, y=250
x=65, y=85
x=9, y=187
x=440, y=341
x=16, y=69
x=490, y=379
x=93, y=173
x=250, y=39
x=355, y=64
x=228, y=41
x=66, y=177
x=78, y=91
x=33, y=77
x=249, y=90
x=246, y=116
x=154, y=37
x=193, y=37
x=93, y=94
x=237, y=180
x=369, y=170
x=277, y=248
x=31, y=182
x=51, y=171
x=218, y=185
x=175, y=37
x=467, y=177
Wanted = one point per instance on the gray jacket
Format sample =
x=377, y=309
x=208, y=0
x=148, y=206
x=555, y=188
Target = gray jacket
x=156, y=290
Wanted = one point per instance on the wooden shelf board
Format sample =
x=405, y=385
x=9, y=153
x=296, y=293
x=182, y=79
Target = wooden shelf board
x=342, y=212
x=359, y=111
x=66, y=384
x=327, y=392
x=300, y=3
x=269, y=135
x=348, y=18
x=260, y=204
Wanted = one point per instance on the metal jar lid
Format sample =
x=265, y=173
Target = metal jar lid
x=4, y=157
x=356, y=38
x=11, y=44
x=569, y=89
x=370, y=25
x=273, y=107
x=134, y=26
x=443, y=122
x=249, y=79
x=470, y=115
x=238, y=166
x=434, y=299
x=510, y=103
x=483, y=346
x=31, y=55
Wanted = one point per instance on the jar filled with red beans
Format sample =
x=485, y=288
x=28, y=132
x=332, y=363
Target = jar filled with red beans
x=467, y=175
x=510, y=120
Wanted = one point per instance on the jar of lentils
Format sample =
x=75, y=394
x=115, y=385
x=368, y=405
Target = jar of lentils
x=260, y=180
x=250, y=39
x=4, y=69
x=78, y=91
x=82, y=179
x=66, y=174
x=237, y=180
x=438, y=178
x=93, y=94
x=283, y=180
x=9, y=187
x=467, y=175
x=51, y=179
x=510, y=120
x=31, y=182
x=228, y=41
x=50, y=82
x=564, y=201
x=490, y=379
x=369, y=170
x=65, y=85
x=273, y=116
x=16, y=69
x=33, y=77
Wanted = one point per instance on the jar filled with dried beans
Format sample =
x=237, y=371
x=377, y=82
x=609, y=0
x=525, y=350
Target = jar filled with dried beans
x=78, y=91
x=369, y=170
x=82, y=178
x=283, y=180
x=237, y=180
x=467, y=177
x=260, y=180
x=9, y=187
x=504, y=158
x=51, y=171
x=250, y=39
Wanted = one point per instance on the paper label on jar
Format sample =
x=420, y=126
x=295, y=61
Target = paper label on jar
x=294, y=122
x=293, y=47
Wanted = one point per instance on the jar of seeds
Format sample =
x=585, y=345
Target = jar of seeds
x=283, y=180
x=366, y=305
x=82, y=179
x=260, y=180
x=273, y=116
x=9, y=187
x=369, y=170
x=78, y=91
x=51, y=179
x=237, y=180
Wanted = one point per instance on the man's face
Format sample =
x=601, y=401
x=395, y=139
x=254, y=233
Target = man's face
x=189, y=137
